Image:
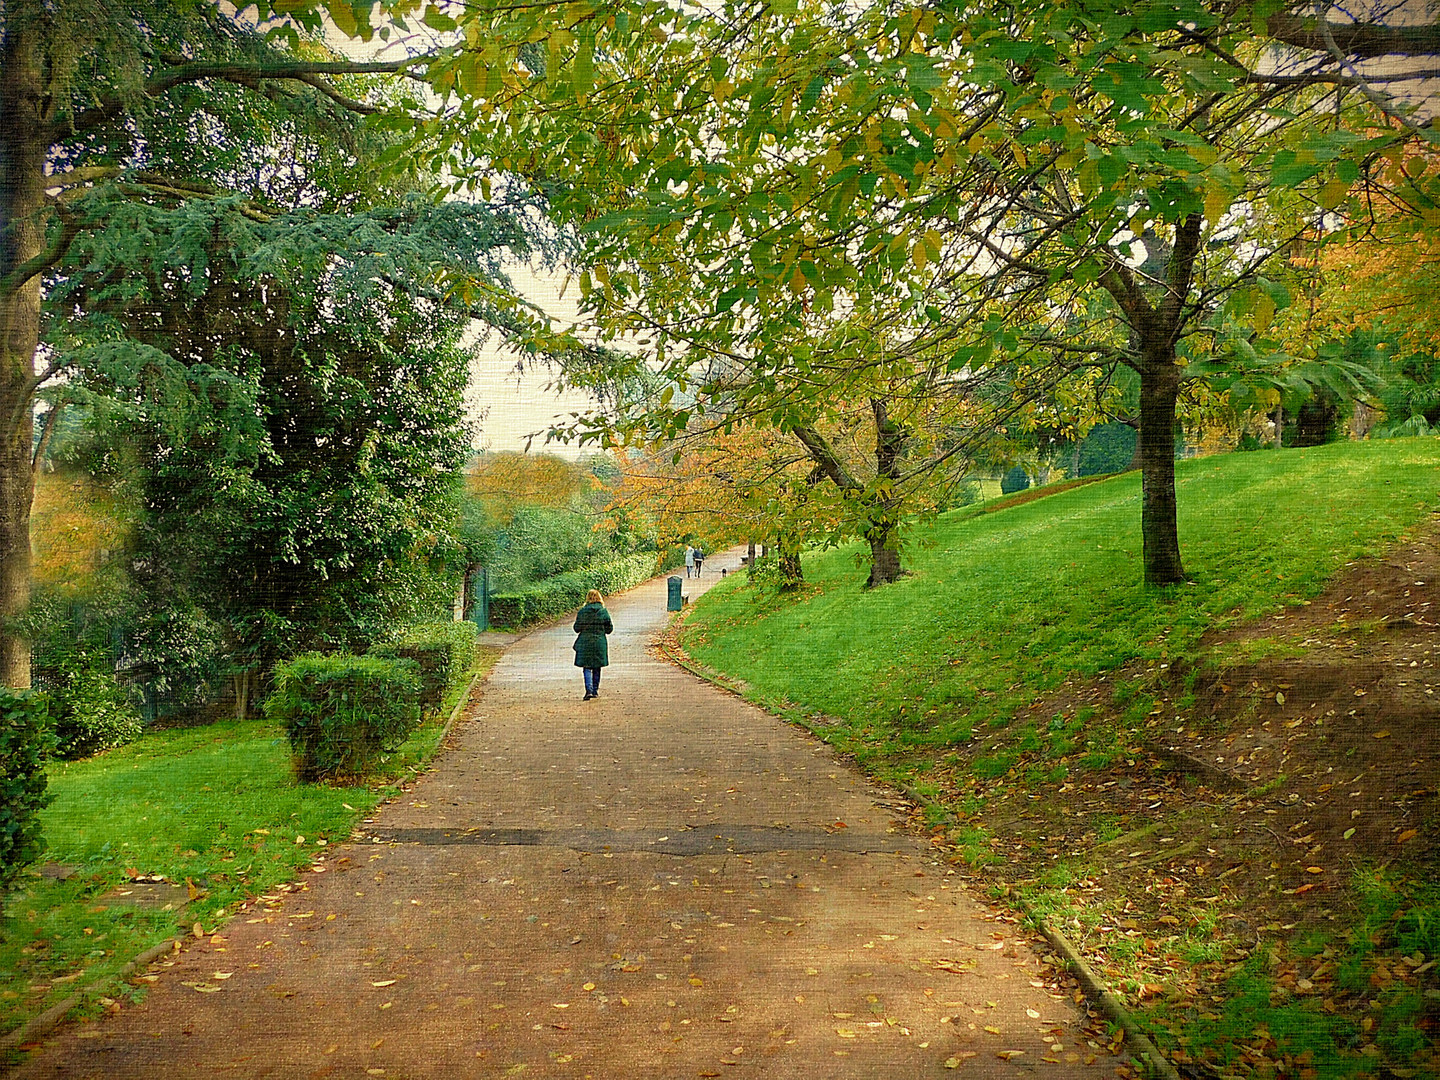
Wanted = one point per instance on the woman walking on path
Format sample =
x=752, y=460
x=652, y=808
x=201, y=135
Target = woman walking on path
x=592, y=652
x=689, y=561
x=699, y=560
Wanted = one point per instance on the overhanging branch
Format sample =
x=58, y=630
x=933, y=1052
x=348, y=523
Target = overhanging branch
x=1359, y=40
x=248, y=74
x=14, y=281
x=1334, y=48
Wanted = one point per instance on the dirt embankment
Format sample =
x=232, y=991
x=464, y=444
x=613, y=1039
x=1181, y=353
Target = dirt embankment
x=1291, y=761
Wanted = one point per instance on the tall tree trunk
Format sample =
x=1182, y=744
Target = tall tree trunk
x=883, y=533
x=1159, y=391
x=24, y=143
x=884, y=558
x=242, y=682
x=787, y=554
x=791, y=574
x=881, y=506
x=1154, y=330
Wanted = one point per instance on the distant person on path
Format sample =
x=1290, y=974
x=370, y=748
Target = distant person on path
x=592, y=652
x=699, y=560
x=689, y=561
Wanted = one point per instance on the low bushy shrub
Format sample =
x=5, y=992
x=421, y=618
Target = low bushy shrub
x=1107, y=448
x=25, y=743
x=556, y=596
x=342, y=712
x=443, y=651
x=1017, y=479
x=92, y=712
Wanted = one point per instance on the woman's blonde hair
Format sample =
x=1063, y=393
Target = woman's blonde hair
x=594, y=597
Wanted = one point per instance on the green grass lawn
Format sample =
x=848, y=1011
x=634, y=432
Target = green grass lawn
x=1000, y=607
x=216, y=807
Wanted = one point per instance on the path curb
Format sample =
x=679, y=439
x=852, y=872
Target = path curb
x=459, y=708
x=42, y=1024
x=1098, y=992
x=1146, y=1053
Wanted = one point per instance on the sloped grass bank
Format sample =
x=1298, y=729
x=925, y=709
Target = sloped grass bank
x=1001, y=607
x=214, y=812
x=1022, y=677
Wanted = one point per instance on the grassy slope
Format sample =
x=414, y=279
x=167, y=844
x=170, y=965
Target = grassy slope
x=216, y=805
x=1001, y=606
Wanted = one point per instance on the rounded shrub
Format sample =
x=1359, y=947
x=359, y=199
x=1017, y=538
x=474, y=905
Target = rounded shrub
x=92, y=712
x=1017, y=479
x=1107, y=448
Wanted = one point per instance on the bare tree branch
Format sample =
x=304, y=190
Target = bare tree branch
x=47, y=432
x=824, y=455
x=14, y=281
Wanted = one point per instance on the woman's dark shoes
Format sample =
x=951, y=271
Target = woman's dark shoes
x=587, y=697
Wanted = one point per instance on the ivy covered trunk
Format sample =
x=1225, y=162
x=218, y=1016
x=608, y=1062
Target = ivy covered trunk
x=1159, y=391
x=15, y=496
x=23, y=146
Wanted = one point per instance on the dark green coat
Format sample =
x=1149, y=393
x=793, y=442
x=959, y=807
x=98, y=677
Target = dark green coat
x=592, y=624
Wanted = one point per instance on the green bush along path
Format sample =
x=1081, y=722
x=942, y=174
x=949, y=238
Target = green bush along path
x=663, y=882
x=181, y=827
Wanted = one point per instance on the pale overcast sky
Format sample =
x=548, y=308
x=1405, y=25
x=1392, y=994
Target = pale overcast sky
x=506, y=406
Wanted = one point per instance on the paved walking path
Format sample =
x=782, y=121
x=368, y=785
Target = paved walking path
x=664, y=882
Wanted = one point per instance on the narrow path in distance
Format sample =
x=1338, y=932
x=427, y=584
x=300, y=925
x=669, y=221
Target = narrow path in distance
x=663, y=882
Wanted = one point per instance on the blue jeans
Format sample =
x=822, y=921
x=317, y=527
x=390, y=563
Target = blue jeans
x=592, y=680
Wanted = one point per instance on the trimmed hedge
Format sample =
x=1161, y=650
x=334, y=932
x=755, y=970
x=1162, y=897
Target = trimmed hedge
x=1108, y=448
x=559, y=595
x=444, y=652
x=342, y=712
x=25, y=743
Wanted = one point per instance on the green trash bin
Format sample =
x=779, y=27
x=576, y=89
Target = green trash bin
x=677, y=598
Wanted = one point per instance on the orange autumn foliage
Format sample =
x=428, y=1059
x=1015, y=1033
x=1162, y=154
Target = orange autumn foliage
x=743, y=485
x=1388, y=271
x=507, y=480
x=75, y=526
